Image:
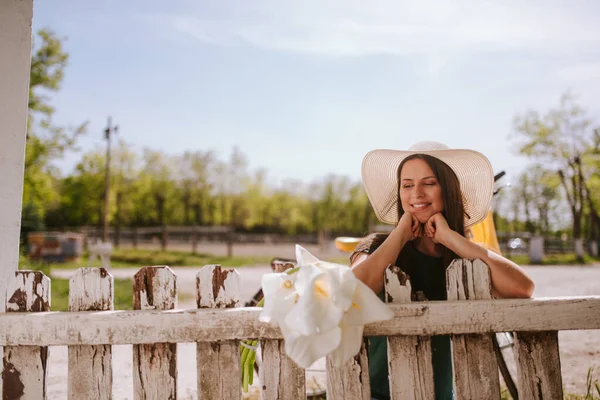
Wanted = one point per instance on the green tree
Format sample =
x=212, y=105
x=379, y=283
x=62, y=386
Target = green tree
x=45, y=141
x=194, y=170
x=537, y=194
x=81, y=194
x=160, y=173
x=559, y=138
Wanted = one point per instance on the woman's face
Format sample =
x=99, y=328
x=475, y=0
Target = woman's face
x=420, y=191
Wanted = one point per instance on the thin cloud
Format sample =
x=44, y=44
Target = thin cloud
x=359, y=28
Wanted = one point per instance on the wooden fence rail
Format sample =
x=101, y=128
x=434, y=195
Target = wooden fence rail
x=91, y=327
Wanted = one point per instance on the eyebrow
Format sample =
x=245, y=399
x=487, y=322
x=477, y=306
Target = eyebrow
x=410, y=179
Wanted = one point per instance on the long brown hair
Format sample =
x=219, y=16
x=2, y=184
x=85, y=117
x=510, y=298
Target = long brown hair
x=454, y=210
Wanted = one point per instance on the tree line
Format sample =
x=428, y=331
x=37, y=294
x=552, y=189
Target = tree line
x=559, y=192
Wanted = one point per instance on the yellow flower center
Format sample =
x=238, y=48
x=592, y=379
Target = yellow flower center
x=287, y=284
x=321, y=289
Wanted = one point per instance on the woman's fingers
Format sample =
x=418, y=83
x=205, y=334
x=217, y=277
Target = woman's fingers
x=415, y=227
x=430, y=228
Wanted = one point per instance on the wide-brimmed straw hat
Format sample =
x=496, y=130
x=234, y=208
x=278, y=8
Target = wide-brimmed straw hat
x=473, y=170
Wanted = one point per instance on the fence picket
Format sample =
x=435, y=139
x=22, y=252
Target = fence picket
x=90, y=367
x=474, y=361
x=538, y=364
x=350, y=381
x=218, y=363
x=280, y=377
x=409, y=357
x=155, y=365
x=25, y=367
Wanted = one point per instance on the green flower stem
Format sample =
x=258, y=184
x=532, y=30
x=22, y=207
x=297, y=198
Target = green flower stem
x=248, y=356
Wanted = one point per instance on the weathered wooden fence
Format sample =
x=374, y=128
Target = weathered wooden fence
x=91, y=327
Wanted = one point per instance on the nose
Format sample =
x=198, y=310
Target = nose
x=418, y=191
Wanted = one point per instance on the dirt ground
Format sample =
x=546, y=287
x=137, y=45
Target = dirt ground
x=579, y=350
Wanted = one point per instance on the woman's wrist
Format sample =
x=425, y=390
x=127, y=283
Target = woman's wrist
x=461, y=246
x=401, y=235
x=450, y=239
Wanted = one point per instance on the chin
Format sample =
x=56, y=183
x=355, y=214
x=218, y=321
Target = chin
x=423, y=217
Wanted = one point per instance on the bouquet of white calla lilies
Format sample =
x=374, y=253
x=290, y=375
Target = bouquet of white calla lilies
x=321, y=309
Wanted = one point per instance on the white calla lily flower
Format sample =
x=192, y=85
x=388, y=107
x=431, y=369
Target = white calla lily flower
x=321, y=309
x=280, y=296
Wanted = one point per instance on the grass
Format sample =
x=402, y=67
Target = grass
x=131, y=258
x=123, y=294
x=123, y=297
x=555, y=259
x=592, y=390
x=59, y=287
x=183, y=259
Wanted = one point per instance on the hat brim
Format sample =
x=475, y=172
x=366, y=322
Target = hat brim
x=473, y=170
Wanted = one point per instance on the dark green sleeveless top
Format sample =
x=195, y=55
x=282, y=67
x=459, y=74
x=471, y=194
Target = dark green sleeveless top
x=427, y=275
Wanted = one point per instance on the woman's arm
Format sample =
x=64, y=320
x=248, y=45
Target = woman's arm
x=509, y=280
x=370, y=268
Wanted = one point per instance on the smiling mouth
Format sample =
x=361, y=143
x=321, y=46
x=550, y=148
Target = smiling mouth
x=420, y=206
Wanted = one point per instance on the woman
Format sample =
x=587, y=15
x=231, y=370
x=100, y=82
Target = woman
x=432, y=194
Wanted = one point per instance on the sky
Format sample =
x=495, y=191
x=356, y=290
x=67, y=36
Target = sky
x=307, y=88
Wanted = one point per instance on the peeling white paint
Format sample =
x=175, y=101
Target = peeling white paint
x=218, y=363
x=90, y=367
x=227, y=294
x=25, y=282
x=154, y=365
x=475, y=364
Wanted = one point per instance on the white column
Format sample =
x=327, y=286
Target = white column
x=15, y=61
x=536, y=250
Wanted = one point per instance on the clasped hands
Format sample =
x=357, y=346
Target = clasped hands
x=434, y=228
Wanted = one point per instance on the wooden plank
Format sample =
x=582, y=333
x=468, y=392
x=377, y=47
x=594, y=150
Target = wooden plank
x=350, y=381
x=474, y=361
x=429, y=318
x=538, y=365
x=90, y=367
x=218, y=362
x=409, y=357
x=155, y=365
x=25, y=368
x=280, y=377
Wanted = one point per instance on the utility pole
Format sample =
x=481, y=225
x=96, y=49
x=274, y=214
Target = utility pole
x=107, y=132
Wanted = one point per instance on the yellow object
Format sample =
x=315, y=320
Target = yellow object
x=346, y=244
x=483, y=233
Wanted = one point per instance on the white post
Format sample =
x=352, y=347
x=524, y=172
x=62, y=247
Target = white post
x=15, y=61
x=536, y=250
